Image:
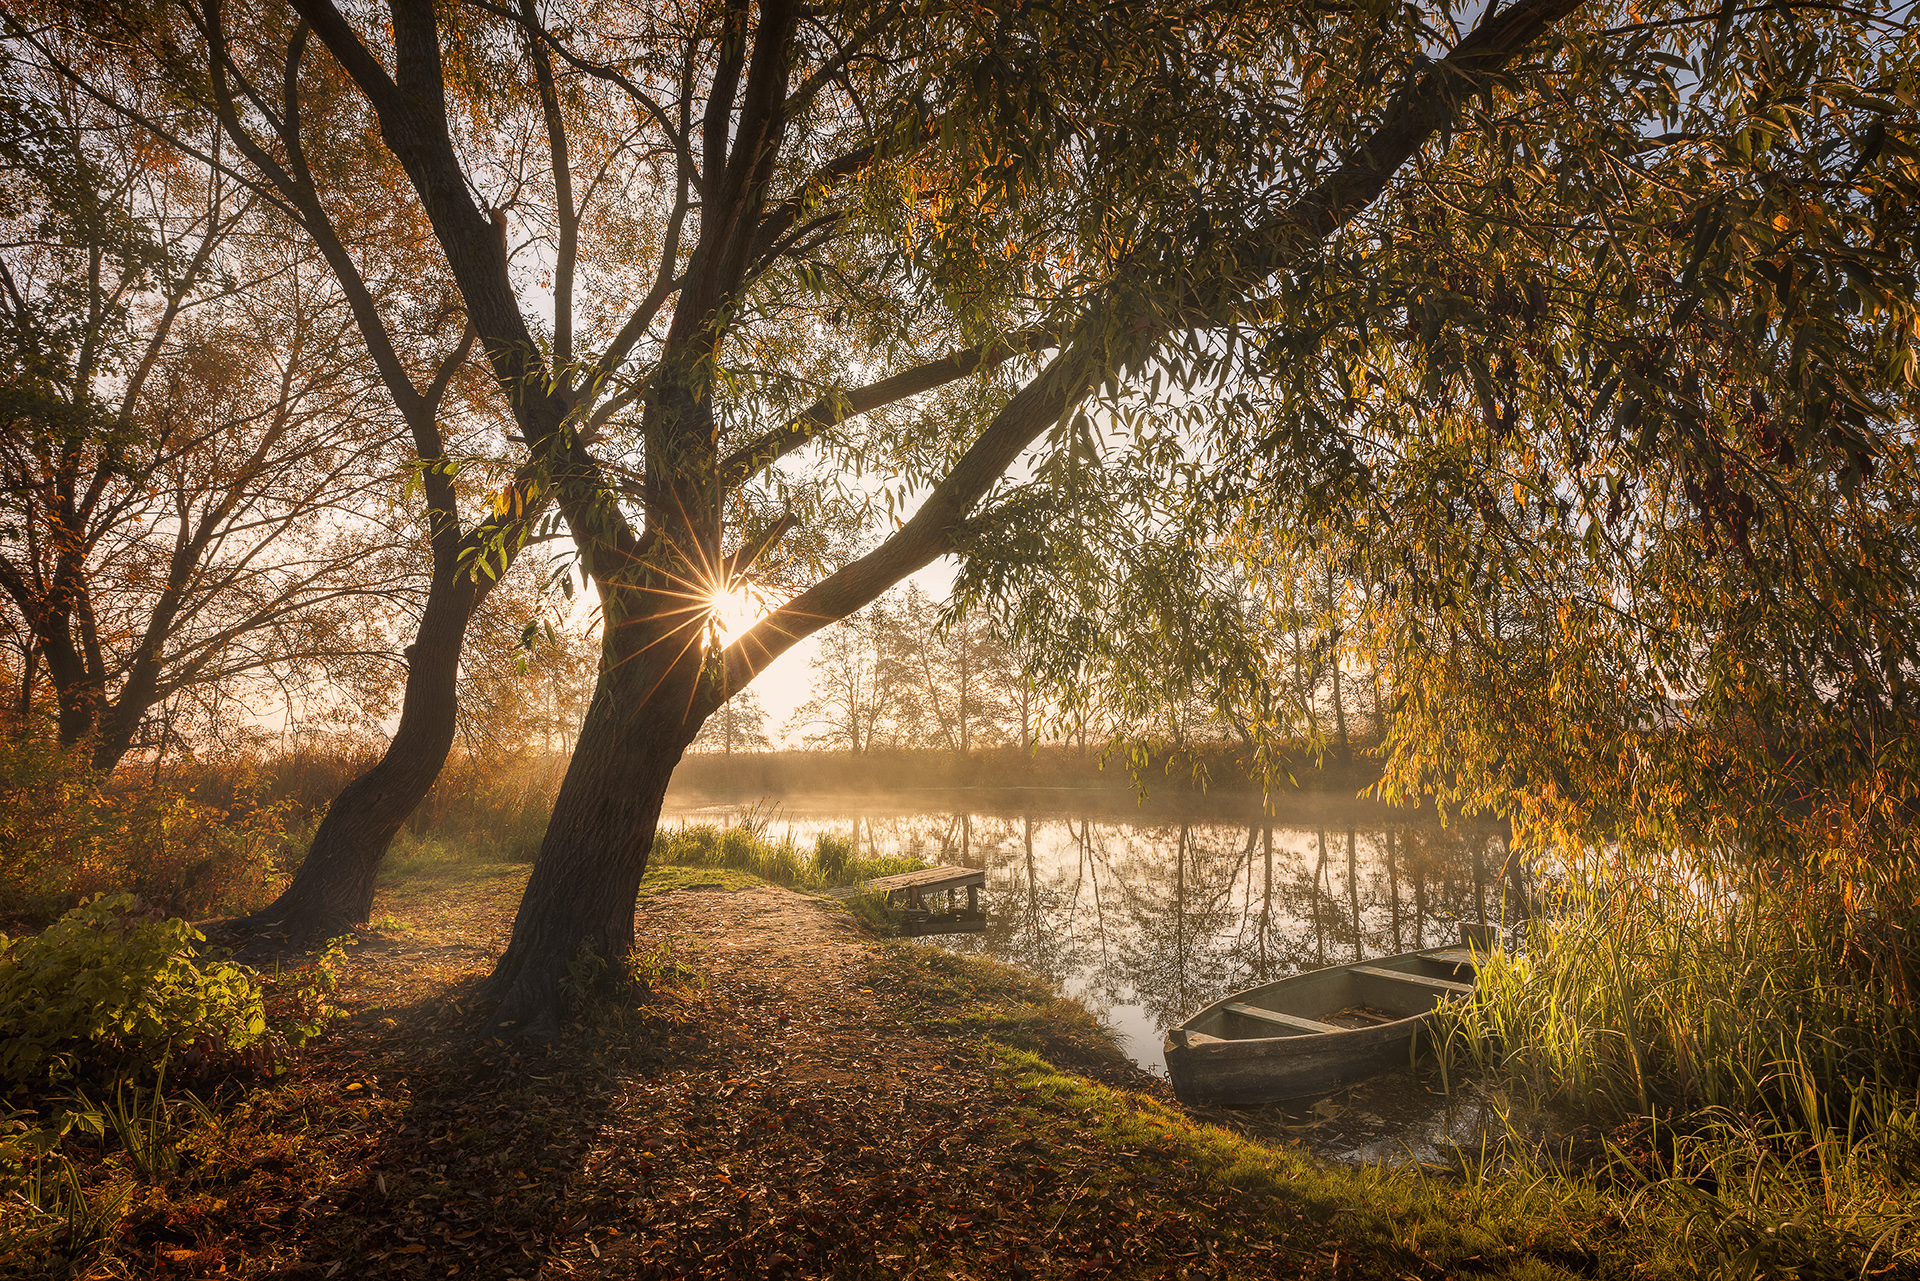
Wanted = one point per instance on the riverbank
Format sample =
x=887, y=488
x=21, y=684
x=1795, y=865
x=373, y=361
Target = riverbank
x=784, y=1097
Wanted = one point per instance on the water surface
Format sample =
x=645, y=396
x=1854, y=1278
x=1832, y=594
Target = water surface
x=1146, y=918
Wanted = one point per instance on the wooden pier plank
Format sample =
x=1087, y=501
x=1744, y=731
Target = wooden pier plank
x=927, y=880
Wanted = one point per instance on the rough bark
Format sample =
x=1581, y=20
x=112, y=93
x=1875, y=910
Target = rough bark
x=581, y=895
x=333, y=890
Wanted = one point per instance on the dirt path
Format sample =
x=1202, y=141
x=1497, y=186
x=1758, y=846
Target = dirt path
x=794, y=970
x=838, y=1139
x=791, y=1099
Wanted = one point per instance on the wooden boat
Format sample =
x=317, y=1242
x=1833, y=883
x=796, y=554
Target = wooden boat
x=1313, y=1033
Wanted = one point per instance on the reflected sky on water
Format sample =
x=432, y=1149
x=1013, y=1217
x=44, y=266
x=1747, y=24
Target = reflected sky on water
x=1147, y=919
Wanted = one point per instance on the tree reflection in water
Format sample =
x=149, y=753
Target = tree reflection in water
x=1145, y=922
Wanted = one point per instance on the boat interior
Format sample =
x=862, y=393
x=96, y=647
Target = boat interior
x=1342, y=998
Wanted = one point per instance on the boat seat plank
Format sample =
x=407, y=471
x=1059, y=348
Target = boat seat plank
x=1419, y=980
x=1295, y=1022
x=1453, y=955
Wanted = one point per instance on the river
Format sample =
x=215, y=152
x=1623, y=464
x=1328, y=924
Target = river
x=1147, y=917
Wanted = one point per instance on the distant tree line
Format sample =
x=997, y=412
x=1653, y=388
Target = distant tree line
x=910, y=673
x=901, y=674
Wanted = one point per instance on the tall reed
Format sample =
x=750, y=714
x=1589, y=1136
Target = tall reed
x=1757, y=1019
x=745, y=847
x=1703, y=982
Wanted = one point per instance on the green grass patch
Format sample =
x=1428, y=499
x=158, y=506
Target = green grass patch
x=430, y=897
x=872, y=912
x=1713, y=1206
x=667, y=879
x=435, y=862
x=833, y=861
x=1253, y=1206
x=973, y=996
x=701, y=855
x=1262, y=1201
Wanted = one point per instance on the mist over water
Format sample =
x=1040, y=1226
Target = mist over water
x=1145, y=918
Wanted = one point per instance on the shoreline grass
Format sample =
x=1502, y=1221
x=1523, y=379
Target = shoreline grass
x=834, y=861
x=1752, y=1042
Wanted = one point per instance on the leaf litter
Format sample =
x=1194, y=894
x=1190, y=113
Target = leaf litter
x=787, y=1098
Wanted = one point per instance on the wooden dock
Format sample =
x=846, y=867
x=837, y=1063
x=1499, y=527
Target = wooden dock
x=905, y=897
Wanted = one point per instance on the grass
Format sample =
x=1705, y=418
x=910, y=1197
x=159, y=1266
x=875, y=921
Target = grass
x=1259, y=1200
x=744, y=847
x=1715, y=1209
x=1753, y=1044
x=956, y=995
x=423, y=884
x=667, y=879
x=1243, y=1206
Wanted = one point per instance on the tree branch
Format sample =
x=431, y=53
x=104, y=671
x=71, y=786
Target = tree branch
x=924, y=538
x=743, y=463
x=1109, y=340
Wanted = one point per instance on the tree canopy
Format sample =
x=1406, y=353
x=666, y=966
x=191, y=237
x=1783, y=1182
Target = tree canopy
x=1091, y=298
x=1605, y=413
x=193, y=463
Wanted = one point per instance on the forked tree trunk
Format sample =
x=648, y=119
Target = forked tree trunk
x=333, y=890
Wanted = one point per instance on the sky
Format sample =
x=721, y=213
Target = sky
x=787, y=682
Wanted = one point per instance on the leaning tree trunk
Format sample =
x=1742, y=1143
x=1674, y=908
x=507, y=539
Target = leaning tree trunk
x=333, y=890
x=586, y=880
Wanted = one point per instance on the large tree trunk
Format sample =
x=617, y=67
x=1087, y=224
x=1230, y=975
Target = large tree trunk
x=586, y=879
x=333, y=890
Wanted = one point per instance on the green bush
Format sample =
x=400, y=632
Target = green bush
x=49, y=815
x=109, y=992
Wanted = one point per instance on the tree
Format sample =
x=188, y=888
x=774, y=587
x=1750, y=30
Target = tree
x=855, y=688
x=411, y=322
x=1644, y=550
x=740, y=722
x=190, y=462
x=1617, y=434
x=848, y=208
x=956, y=678
x=332, y=183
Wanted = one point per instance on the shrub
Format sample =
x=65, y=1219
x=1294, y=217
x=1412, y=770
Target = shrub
x=49, y=815
x=111, y=992
x=199, y=843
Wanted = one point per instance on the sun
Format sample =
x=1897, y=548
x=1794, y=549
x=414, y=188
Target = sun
x=735, y=610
